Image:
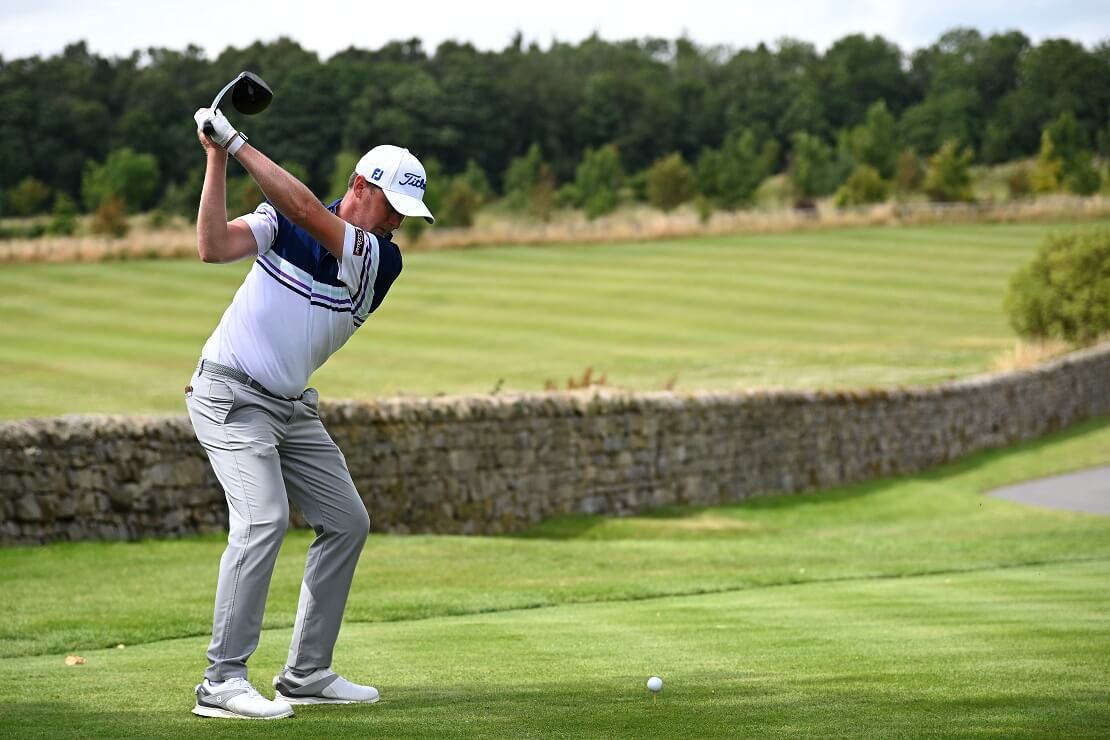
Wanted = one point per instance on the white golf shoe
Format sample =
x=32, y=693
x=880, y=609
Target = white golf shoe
x=322, y=687
x=235, y=698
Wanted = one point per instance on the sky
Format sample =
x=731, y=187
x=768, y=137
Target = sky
x=118, y=27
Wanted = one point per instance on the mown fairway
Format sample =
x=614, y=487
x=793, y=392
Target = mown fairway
x=904, y=608
x=875, y=306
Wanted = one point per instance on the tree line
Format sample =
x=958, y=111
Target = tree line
x=567, y=123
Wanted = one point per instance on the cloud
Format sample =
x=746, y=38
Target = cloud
x=45, y=27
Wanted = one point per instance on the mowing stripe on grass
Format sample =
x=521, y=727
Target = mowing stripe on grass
x=881, y=306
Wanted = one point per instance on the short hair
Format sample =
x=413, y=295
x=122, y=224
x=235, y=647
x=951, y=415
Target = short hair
x=351, y=182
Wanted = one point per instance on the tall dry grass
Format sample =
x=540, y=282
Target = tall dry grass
x=638, y=223
x=1028, y=354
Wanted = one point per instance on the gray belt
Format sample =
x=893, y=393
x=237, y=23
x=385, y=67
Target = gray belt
x=215, y=368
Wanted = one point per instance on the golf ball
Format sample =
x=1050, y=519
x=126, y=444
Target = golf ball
x=655, y=684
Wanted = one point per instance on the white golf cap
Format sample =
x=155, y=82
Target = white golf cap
x=400, y=175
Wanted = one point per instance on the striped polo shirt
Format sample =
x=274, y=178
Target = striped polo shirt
x=299, y=304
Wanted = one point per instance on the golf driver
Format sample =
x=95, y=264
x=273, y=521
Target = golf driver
x=249, y=95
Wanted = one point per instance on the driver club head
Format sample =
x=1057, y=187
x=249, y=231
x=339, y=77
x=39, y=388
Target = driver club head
x=249, y=95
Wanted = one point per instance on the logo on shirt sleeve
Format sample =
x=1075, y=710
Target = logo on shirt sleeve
x=360, y=242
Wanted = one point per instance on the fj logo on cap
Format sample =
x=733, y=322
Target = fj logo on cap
x=412, y=180
x=377, y=174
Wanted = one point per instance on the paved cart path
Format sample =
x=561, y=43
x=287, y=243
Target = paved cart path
x=1087, y=491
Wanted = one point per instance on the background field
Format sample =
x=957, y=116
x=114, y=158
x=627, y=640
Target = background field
x=852, y=307
x=910, y=607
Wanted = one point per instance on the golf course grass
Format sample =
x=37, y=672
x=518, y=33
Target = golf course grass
x=899, y=608
x=834, y=308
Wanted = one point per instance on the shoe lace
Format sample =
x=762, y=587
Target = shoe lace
x=241, y=683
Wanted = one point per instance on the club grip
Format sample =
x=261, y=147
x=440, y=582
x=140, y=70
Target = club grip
x=208, y=130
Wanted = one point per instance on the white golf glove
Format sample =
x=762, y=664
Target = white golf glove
x=223, y=134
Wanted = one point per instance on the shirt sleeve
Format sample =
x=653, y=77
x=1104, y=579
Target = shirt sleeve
x=359, y=267
x=264, y=226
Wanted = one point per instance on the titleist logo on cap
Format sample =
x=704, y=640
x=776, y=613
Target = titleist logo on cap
x=412, y=180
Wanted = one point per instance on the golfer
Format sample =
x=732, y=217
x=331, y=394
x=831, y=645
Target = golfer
x=318, y=273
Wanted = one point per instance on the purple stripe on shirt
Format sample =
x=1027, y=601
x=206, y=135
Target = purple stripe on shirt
x=357, y=297
x=289, y=286
x=290, y=278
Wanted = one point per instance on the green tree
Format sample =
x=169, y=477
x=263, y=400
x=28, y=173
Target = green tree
x=948, y=178
x=865, y=185
x=670, y=182
x=28, y=197
x=598, y=180
x=63, y=219
x=908, y=172
x=344, y=165
x=874, y=142
x=460, y=202
x=1069, y=145
x=1048, y=169
x=812, y=171
x=542, y=198
x=183, y=198
x=127, y=175
x=1064, y=293
x=1019, y=184
x=731, y=174
x=857, y=71
x=522, y=175
x=475, y=177
x=110, y=217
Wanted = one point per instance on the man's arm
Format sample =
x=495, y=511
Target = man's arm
x=288, y=194
x=294, y=200
x=217, y=239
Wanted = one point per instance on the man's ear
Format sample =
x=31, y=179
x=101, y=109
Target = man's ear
x=359, y=186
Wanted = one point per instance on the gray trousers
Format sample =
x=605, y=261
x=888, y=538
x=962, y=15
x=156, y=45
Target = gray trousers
x=266, y=451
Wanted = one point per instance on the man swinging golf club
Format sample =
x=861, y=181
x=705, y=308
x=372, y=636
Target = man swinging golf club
x=319, y=272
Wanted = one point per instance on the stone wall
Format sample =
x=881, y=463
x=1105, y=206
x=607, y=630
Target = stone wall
x=489, y=464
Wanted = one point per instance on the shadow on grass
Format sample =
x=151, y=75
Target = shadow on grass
x=573, y=526
x=705, y=705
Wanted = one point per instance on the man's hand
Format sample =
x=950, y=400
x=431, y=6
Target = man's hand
x=223, y=134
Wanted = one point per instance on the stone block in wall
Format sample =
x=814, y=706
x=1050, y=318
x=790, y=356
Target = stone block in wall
x=27, y=509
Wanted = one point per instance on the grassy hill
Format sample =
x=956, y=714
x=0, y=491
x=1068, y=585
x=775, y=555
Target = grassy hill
x=846, y=307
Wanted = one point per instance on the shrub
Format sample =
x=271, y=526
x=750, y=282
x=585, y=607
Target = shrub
x=521, y=176
x=1064, y=160
x=542, y=196
x=908, y=172
x=1084, y=178
x=475, y=177
x=1048, y=169
x=1020, y=182
x=28, y=197
x=598, y=180
x=110, y=218
x=812, y=170
x=63, y=219
x=131, y=177
x=1064, y=293
x=949, y=179
x=670, y=182
x=183, y=199
x=460, y=202
x=864, y=185
x=873, y=142
x=730, y=175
